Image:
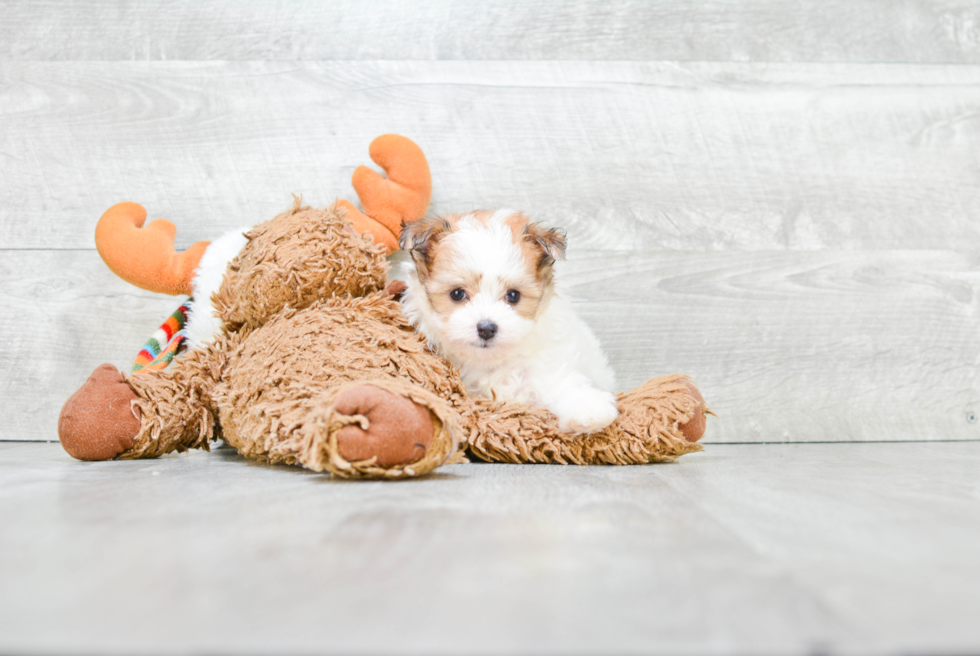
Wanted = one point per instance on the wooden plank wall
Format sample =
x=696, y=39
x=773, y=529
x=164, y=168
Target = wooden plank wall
x=781, y=198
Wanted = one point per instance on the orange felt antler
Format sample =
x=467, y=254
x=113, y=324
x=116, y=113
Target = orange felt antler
x=145, y=257
x=402, y=197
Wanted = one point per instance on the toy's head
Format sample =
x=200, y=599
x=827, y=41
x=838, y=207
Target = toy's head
x=301, y=256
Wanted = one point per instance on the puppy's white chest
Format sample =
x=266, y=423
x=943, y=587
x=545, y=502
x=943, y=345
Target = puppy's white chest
x=510, y=383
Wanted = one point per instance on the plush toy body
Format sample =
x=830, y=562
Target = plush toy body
x=314, y=364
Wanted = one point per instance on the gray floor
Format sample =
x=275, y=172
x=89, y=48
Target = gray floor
x=802, y=548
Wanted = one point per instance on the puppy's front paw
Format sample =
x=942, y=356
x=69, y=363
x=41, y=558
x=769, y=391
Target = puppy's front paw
x=585, y=410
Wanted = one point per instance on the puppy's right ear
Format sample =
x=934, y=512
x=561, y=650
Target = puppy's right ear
x=419, y=240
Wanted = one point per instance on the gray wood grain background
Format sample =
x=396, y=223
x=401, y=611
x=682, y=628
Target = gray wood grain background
x=781, y=198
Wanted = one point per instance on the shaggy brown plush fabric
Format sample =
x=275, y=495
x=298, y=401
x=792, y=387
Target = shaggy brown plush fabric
x=177, y=406
x=649, y=429
x=294, y=260
x=289, y=372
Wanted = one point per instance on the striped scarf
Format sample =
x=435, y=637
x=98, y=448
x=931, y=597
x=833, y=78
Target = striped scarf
x=165, y=343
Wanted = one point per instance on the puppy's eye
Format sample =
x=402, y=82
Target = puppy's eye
x=458, y=295
x=513, y=296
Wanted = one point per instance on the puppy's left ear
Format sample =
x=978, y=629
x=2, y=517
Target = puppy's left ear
x=550, y=242
x=419, y=240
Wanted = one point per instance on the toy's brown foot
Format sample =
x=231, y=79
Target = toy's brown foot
x=399, y=431
x=98, y=422
x=694, y=429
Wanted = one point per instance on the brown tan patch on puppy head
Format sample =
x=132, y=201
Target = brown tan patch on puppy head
x=540, y=246
x=421, y=238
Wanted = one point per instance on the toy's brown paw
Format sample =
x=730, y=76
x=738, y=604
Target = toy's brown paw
x=694, y=429
x=98, y=422
x=399, y=430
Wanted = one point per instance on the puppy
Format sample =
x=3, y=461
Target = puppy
x=480, y=288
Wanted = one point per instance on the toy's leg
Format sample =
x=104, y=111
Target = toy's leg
x=658, y=421
x=144, y=416
x=385, y=428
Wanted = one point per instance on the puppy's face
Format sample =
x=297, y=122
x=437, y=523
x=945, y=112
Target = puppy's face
x=487, y=276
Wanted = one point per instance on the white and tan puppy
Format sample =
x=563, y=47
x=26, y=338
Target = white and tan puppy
x=481, y=289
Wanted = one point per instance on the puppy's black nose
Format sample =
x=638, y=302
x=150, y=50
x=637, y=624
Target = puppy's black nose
x=486, y=329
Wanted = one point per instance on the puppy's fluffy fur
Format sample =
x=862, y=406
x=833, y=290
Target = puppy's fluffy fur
x=481, y=289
